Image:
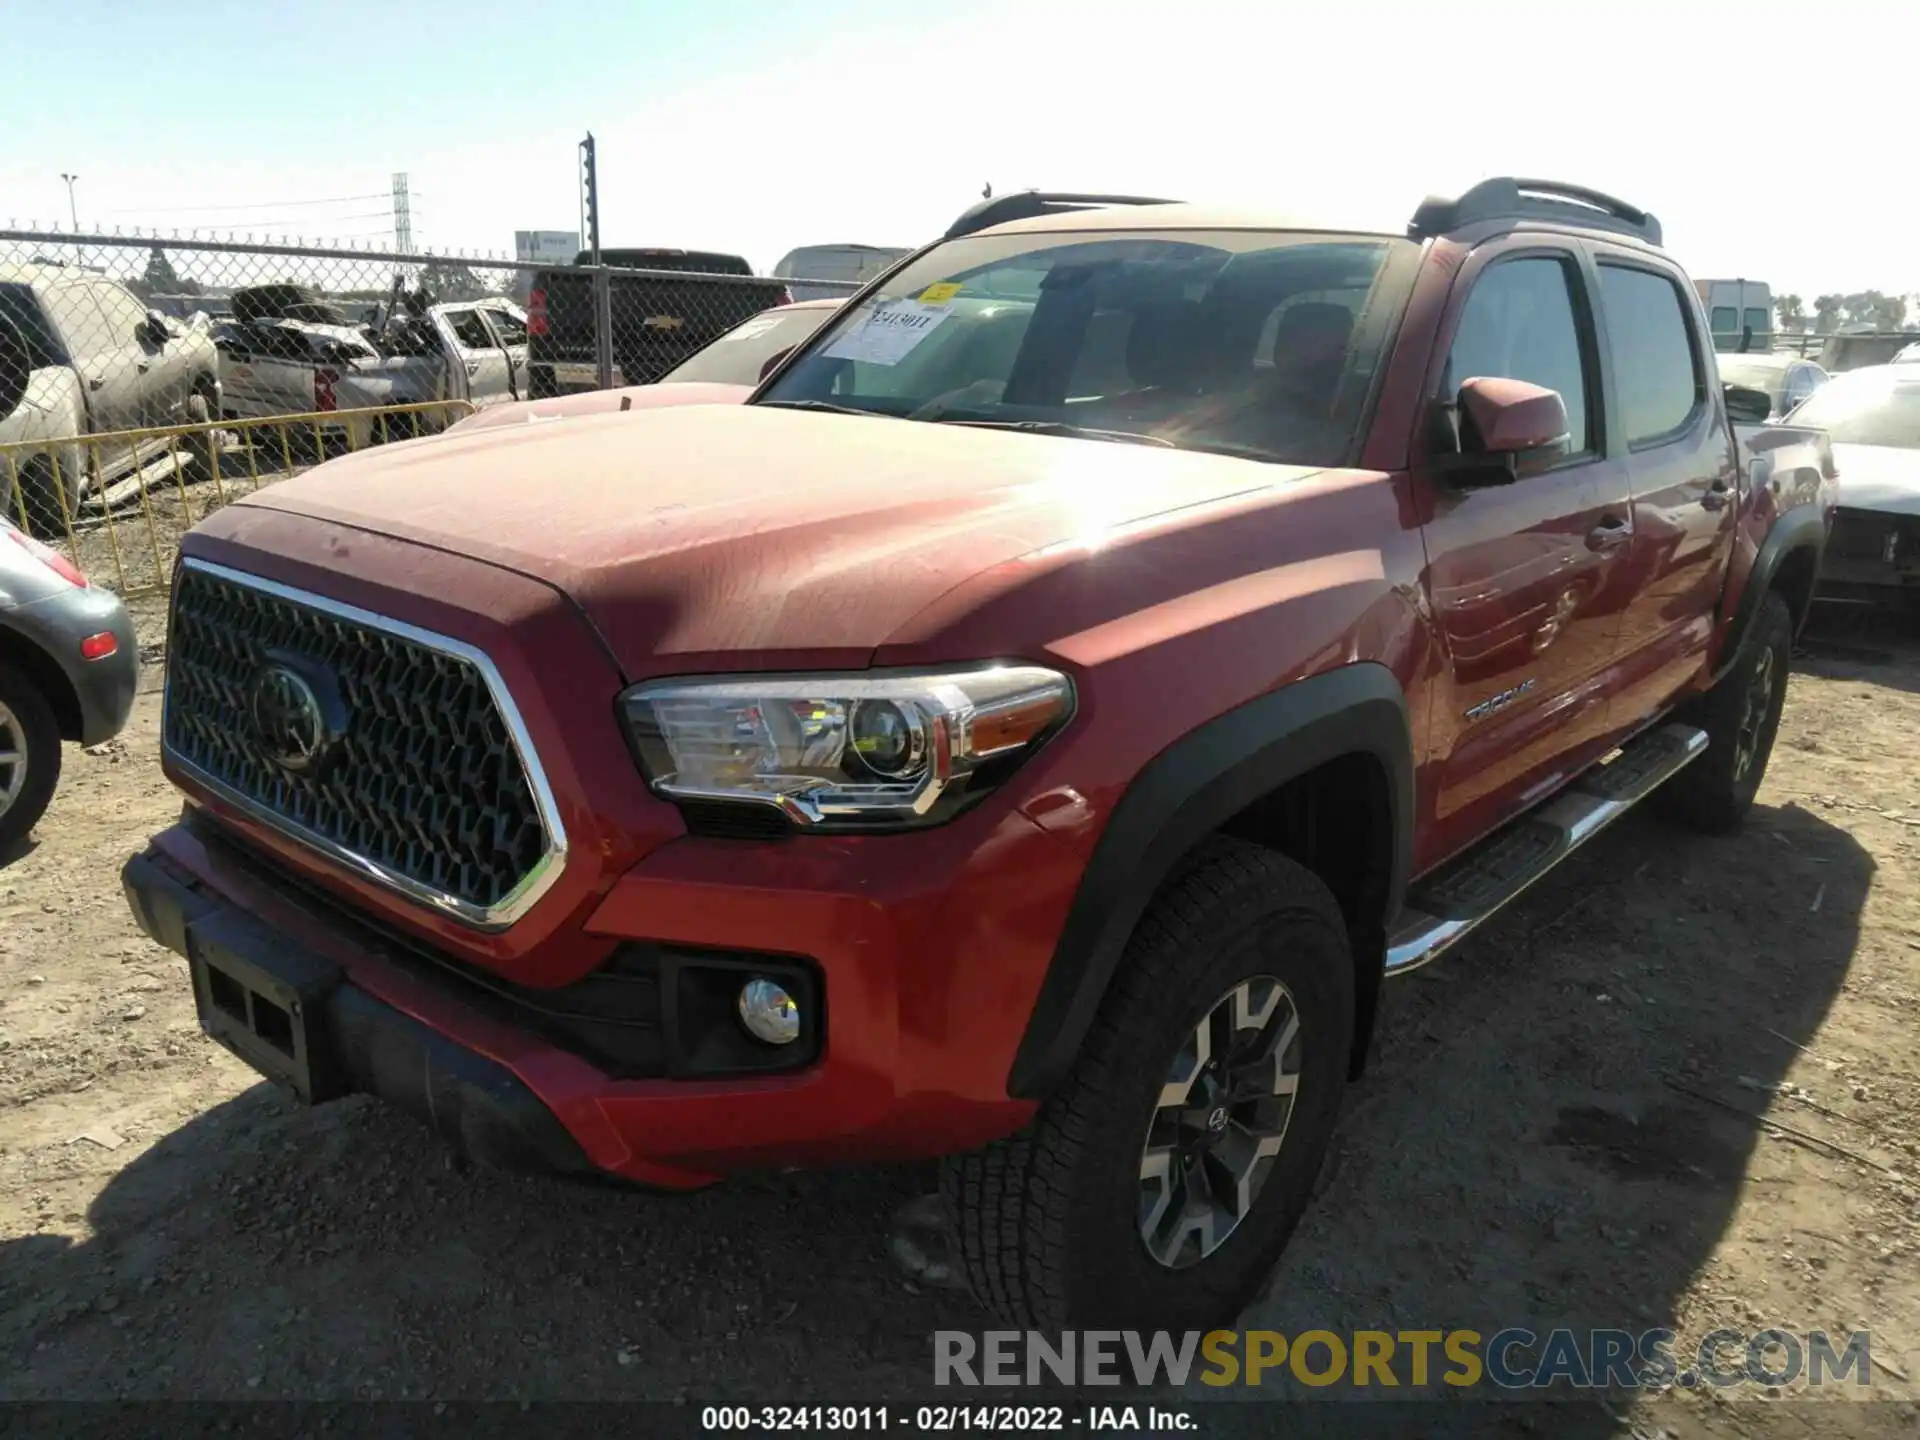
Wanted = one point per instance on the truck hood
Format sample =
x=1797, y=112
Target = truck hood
x=1879, y=477
x=713, y=535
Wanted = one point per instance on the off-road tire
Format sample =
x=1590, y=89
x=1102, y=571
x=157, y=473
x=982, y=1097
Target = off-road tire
x=1714, y=793
x=1048, y=1222
x=40, y=735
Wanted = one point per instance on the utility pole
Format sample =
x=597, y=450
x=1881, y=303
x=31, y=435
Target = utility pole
x=602, y=282
x=402, y=215
x=72, y=209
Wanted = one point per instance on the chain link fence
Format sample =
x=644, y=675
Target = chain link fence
x=145, y=380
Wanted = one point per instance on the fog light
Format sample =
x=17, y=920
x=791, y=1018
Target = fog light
x=769, y=1013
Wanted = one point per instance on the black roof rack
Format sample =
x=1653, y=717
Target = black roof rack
x=1025, y=204
x=1509, y=197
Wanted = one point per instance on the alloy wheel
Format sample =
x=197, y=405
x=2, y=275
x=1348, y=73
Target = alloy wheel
x=13, y=758
x=1757, y=705
x=1221, y=1118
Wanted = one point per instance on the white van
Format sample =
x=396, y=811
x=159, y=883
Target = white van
x=854, y=264
x=1739, y=313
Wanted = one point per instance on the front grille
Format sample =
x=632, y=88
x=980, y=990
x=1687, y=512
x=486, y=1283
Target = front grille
x=423, y=779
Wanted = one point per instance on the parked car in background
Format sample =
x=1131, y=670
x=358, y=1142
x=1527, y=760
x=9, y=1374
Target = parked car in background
x=725, y=372
x=1872, y=417
x=1035, y=756
x=68, y=669
x=853, y=265
x=1739, y=313
x=272, y=364
x=1857, y=351
x=97, y=361
x=1908, y=355
x=658, y=320
x=1786, y=379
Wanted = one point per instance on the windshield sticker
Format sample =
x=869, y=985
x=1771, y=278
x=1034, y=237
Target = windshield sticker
x=759, y=325
x=889, y=333
x=940, y=294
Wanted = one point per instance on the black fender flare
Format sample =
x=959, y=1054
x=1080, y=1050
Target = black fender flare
x=1184, y=793
x=1804, y=527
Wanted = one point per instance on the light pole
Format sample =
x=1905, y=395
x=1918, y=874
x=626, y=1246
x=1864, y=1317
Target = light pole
x=72, y=209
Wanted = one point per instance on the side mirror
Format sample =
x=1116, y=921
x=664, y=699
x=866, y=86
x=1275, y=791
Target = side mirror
x=156, y=329
x=773, y=361
x=1747, y=406
x=1506, y=429
x=16, y=369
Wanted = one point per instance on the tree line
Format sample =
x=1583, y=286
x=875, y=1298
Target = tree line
x=1830, y=312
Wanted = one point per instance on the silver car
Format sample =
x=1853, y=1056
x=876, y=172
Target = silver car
x=97, y=360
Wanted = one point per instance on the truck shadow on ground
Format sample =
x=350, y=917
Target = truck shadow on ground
x=1520, y=1153
x=1561, y=1117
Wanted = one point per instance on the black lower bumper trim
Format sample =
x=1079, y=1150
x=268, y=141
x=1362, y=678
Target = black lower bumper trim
x=295, y=1017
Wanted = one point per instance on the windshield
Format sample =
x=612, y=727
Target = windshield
x=1866, y=408
x=739, y=356
x=1249, y=342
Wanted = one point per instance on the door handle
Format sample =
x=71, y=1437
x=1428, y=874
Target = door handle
x=1716, y=496
x=143, y=366
x=94, y=382
x=1610, y=534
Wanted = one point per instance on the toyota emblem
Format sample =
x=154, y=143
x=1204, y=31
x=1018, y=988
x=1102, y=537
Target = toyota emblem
x=290, y=719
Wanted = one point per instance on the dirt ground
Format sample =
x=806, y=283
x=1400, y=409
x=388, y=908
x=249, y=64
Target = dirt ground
x=1677, y=1084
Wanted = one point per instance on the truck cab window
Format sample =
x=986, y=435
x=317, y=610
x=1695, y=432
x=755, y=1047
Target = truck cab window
x=1654, y=363
x=470, y=330
x=1519, y=324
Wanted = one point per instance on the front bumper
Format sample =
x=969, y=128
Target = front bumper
x=929, y=948
x=103, y=689
x=295, y=1016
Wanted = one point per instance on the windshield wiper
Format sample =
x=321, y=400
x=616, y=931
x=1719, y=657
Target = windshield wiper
x=1063, y=427
x=826, y=406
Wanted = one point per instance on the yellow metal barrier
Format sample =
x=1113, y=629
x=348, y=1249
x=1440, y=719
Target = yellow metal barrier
x=37, y=492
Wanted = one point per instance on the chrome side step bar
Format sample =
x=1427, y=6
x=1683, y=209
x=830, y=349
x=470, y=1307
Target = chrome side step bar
x=1445, y=907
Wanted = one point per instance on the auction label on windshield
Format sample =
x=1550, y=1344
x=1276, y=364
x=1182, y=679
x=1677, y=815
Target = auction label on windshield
x=889, y=332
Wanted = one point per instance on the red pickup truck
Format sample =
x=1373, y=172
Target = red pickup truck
x=1028, y=732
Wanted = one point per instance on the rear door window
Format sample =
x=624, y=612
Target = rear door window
x=511, y=329
x=124, y=315
x=1655, y=365
x=1758, y=321
x=78, y=320
x=1726, y=320
x=1520, y=323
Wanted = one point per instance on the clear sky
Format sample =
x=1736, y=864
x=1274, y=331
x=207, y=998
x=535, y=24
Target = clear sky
x=757, y=127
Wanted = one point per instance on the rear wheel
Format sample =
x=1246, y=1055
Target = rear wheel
x=1158, y=1187
x=1741, y=716
x=29, y=757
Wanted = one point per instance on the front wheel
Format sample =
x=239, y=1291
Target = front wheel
x=1741, y=716
x=1158, y=1186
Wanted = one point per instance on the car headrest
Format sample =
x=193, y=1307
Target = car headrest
x=1162, y=341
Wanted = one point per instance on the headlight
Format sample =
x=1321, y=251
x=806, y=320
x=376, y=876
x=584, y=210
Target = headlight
x=845, y=751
